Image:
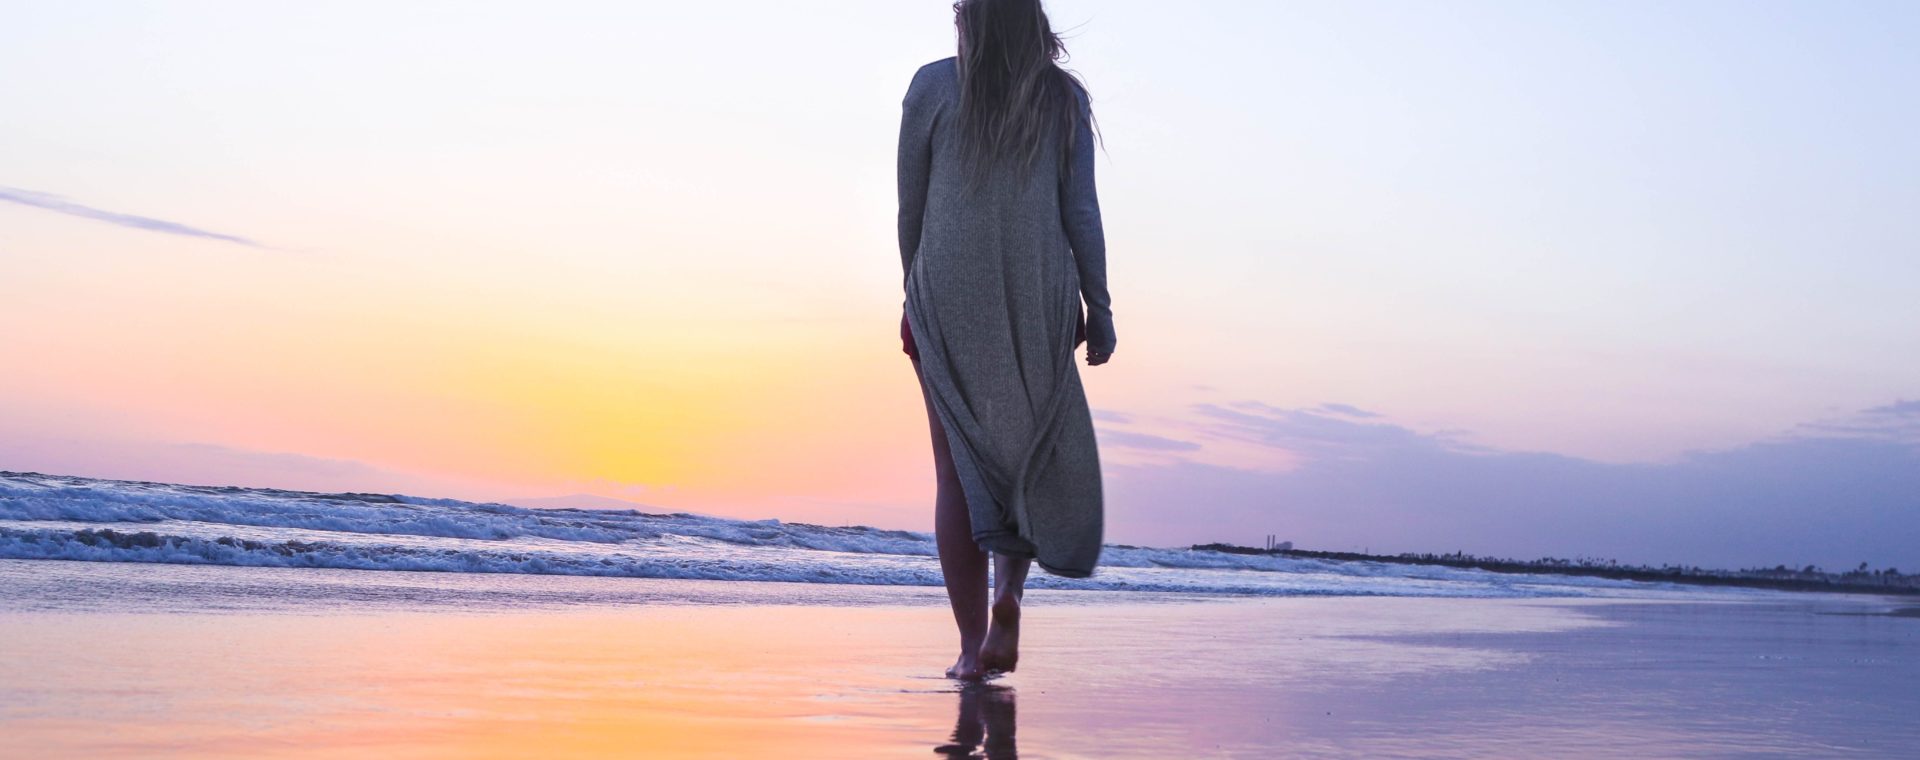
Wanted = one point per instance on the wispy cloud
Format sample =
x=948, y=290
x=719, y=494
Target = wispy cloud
x=1325, y=432
x=1898, y=422
x=1910, y=409
x=1146, y=441
x=61, y=205
x=1348, y=410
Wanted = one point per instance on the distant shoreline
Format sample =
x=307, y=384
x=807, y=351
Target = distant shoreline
x=1692, y=576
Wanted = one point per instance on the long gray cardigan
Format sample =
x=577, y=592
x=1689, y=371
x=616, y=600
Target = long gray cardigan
x=994, y=282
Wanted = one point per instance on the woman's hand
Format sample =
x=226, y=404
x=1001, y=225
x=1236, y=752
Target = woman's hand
x=1099, y=336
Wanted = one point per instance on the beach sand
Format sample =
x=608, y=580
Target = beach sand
x=434, y=665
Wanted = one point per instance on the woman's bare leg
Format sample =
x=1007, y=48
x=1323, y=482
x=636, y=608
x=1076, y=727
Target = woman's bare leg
x=962, y=563
x=1001, y=649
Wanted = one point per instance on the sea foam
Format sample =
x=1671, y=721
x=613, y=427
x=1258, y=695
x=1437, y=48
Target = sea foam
x=72, y=518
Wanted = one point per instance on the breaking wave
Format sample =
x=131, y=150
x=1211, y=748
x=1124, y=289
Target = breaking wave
x=70, y=518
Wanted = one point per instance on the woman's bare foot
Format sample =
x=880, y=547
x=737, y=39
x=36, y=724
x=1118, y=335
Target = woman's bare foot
x=1001, y=651
x=967, y=668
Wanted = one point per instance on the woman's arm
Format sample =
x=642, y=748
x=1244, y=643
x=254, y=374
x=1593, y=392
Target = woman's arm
x=1080, y=214
x=915, y=164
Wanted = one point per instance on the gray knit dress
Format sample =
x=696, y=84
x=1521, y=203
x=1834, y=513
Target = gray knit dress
x=994, y=282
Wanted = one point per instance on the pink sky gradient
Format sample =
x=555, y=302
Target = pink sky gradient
x=1377, y=286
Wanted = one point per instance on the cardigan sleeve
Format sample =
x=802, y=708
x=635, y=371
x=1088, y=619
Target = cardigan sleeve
x=1080, y=215
x=914, y=165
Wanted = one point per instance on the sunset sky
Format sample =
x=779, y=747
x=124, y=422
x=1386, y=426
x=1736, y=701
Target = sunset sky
x=1626, y=279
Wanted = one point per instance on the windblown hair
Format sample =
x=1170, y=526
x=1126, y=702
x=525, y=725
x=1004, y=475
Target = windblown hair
x=1014, y=97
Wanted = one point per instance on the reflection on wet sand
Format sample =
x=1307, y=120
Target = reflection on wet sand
x=689, y=677
x=986, y=724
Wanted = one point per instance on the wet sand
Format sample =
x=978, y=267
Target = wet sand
x=1102, y=675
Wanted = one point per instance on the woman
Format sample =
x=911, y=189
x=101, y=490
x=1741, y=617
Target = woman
x=1000, y=239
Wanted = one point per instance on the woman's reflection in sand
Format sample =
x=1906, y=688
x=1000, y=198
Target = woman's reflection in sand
x=986, y=724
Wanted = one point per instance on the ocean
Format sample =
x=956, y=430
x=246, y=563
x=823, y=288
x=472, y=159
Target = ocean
x=50, y=517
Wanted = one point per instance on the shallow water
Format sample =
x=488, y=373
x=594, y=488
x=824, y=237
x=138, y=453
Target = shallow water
x=156, y=660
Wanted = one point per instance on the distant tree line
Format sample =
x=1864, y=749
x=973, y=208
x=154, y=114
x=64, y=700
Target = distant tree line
x=1809, y=578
